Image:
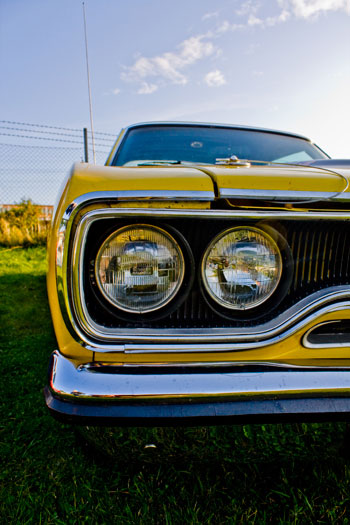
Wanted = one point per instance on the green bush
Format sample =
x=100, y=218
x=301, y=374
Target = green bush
x=22, y=226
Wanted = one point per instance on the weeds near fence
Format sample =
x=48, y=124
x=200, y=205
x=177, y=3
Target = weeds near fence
x=22, y=226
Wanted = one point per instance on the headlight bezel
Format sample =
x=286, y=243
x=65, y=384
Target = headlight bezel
x=277, y=294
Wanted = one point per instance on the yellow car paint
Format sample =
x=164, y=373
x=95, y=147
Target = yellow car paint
x=86, y=178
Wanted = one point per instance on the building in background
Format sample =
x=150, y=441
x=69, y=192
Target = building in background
x=45, y=211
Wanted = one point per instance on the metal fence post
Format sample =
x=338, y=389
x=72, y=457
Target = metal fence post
x=86, y=146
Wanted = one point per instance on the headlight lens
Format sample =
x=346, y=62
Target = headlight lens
x=241, y=268
x=139, y=268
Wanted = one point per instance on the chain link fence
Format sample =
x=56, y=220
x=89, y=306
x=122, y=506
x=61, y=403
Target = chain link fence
x=35, y=159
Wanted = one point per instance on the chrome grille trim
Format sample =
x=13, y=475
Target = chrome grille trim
x=234, y=342
x=92, y=338
x=308, y=344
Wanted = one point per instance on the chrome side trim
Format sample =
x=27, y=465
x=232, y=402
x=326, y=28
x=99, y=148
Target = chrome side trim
x=135, y=195
x=160, y=195
x=206, y=365
x=282, y=195
x=68, y=382
x=89, y=199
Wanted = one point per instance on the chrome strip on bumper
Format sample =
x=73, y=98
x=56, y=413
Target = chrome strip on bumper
x=83, y=385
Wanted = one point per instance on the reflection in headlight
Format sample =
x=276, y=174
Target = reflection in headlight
x=242, y=268
x=140, y=268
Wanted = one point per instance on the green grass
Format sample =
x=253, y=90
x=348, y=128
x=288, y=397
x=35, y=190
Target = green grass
x=50, y=473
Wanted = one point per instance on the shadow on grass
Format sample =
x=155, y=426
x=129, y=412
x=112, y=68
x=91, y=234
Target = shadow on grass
x=257, y=444
x=265, y=472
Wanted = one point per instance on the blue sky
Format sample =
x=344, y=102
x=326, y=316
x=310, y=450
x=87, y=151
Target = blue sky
x=282, y=64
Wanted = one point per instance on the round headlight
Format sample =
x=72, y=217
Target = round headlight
x=241, y=268
x=139, y=268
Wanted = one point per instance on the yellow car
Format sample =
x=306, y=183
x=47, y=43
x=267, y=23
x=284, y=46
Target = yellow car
x=202, y=274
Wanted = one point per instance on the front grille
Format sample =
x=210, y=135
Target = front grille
x=320, y=251
x=321, y=254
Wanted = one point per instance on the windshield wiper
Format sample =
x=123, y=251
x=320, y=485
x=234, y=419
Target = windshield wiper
x=158, y=162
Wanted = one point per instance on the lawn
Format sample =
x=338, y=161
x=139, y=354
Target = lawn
x=52, y=473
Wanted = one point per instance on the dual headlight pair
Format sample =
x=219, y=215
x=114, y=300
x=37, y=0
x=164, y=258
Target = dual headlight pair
x=141, y=268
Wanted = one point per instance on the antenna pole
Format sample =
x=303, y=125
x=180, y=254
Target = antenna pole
x=89, y=88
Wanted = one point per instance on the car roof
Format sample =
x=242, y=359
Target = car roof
x=216, y=125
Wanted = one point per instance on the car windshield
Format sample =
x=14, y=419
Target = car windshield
x=175, y=144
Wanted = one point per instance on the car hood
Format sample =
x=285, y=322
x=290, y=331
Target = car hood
x=205, y=183
x=159, y=182
x=280, y=182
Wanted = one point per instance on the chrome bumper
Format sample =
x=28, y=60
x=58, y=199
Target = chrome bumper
x=122, y=395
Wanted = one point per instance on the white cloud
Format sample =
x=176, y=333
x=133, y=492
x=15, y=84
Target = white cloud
x=251, y=49
x=151, y=73
x=215, y=78
x=312, y=8
x=269, y=21
x=254, y=21
x=279, y=19
x=250, y=11
x=169, y=66
x=250, y=7
x=207, y=16
x=147, y=89
x=116, y=91
x=225, y=26
x=299, y=8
